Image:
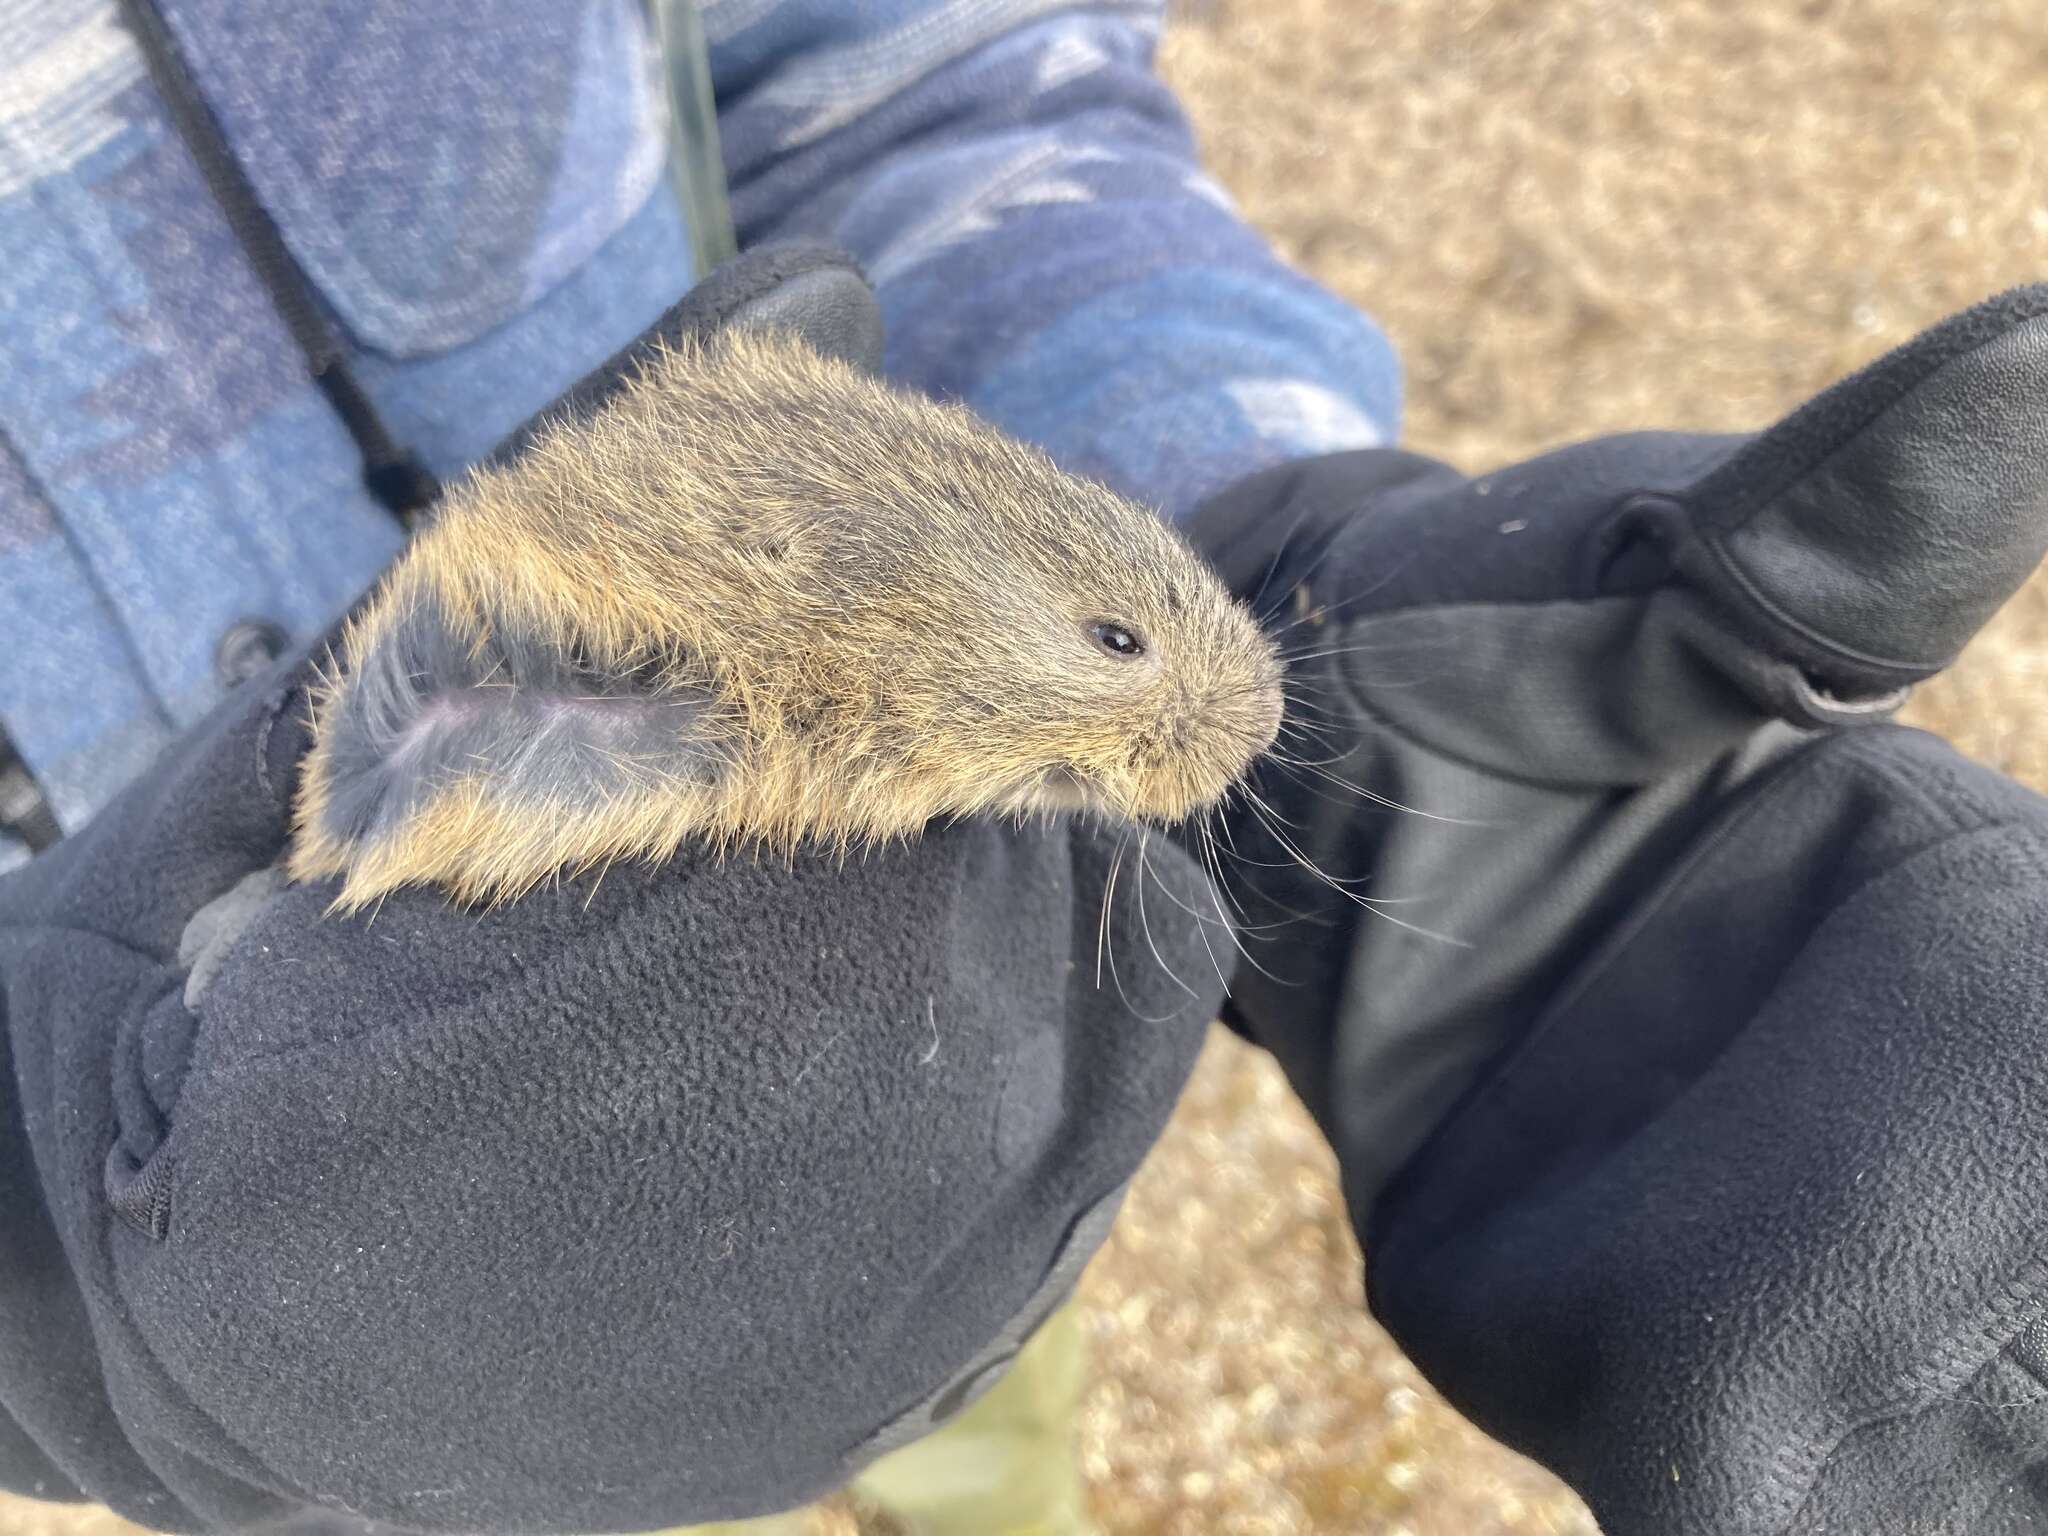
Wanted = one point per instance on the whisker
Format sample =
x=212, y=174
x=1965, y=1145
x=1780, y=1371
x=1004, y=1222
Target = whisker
x=1324, y=653
x=1145, y=921
x=1102, y=917
x=1218, y=888
x=1237, y=856
x=1114, y=976
x=1279, y=549
x=1213, y=854
x=1325, y=612
x=1377, y=906
x=1382, y=800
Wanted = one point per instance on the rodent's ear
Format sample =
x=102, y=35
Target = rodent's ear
x=802, y=288
x=529, y=736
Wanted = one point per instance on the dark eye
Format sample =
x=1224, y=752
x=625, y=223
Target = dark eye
x=1118, y=639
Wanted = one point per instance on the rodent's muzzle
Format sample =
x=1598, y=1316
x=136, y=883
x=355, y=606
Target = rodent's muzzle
x=1208, y=750
x=1273, y=711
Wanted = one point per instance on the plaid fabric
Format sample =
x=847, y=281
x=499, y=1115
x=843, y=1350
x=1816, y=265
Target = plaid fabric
x=481, y=208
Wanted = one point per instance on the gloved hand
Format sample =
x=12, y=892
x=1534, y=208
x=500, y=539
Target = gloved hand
x=674, y=1199
x=1679, y=1021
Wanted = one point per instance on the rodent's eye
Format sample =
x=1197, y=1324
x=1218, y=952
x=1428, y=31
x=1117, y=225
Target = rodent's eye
x=1117, y=639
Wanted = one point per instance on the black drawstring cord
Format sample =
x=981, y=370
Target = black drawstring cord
x=393, y=473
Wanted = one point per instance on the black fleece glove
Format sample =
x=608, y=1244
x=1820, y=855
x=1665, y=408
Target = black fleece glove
x=1681, y=1025
x=675, y=1199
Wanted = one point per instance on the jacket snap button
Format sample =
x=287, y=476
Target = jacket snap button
x=247, y=650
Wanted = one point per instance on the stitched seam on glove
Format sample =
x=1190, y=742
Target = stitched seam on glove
x=1717, y=551
x=103, y=1238
x=1939, y=809
x=1492, y=1083
x=1952, y=1362
x=2004, y=313
x=1354, y=688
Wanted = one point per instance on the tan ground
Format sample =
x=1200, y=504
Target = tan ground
x=1573, y=216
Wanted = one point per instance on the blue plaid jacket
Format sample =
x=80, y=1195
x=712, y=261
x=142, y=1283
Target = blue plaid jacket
x=478, y=201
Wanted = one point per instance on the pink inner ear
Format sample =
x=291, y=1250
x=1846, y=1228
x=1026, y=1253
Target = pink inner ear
x=547, y=753
x=546, y=732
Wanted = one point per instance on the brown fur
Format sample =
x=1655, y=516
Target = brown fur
x=889, y=602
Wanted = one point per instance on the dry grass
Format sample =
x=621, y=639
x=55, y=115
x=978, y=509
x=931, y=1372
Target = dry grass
x=1573, y=216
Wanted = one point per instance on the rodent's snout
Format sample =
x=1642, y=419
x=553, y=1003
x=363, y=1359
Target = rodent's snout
x=1273, y=709
x=1253, y=718
x=1213, y=726
x=1265, y=708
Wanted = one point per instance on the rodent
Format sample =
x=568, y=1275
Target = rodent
x=762, y=598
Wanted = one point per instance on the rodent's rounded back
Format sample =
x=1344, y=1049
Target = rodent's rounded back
x=763, y=598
